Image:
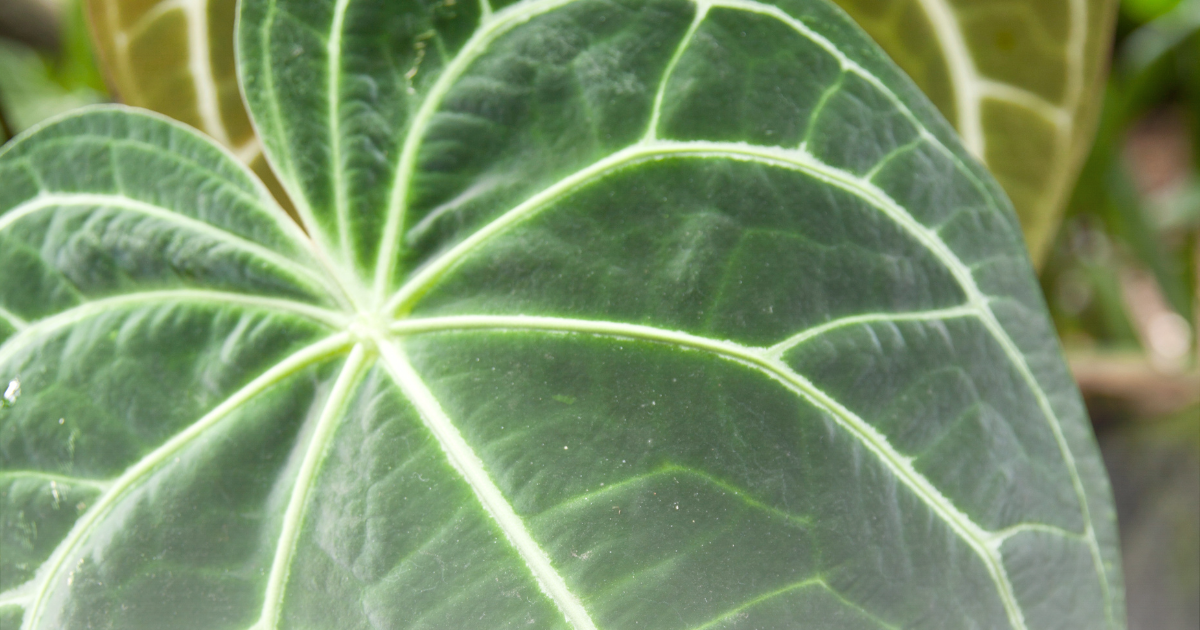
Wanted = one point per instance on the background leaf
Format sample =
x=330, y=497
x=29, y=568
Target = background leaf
x=1021, y=82
x=40, y=78
x=176, y=58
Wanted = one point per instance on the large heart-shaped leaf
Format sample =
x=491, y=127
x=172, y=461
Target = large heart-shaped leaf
x=1020, y=80
x=643, y=314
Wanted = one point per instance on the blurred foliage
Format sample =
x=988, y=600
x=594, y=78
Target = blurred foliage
x=1122, y=276
x=1155, y=473
x=1121, y=282
x=177, y=59
x=36, y=84
x=1142, y=11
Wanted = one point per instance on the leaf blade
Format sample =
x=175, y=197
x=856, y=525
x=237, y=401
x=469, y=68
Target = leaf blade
x=701, y=376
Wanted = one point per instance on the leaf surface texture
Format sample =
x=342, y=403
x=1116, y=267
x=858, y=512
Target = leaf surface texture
x=603, y=315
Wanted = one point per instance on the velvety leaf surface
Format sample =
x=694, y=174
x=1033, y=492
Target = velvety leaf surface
x=604, y=315
x=1019, y=79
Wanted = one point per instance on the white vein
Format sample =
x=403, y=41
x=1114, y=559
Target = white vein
x=1060, y=117
x=781, y=348
x=971, y=88
x=481, y=186
x=1076, y=68
x=660, y=93
x=468, y=464
x=492, y=26
x=333, y=53
x=998, y=537
x=423, y=279
x=794, y=159
x=247, y=151
x=66, y=480
x=280, y=161
x=963, y=74
x=48, y=201
x=13, y=599
x=12, y=319
x=933, y=242
x=314, y=455
x=93, y=308
x=849, y=65
x=33, y=594
x=1076, y=49
x=200, y=65
x=199, y=60
x=802, y=161
x=802, y=584
x=260, y=198
x=760, y=359
x=514, y=15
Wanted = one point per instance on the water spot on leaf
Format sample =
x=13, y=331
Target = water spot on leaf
x=13, y=391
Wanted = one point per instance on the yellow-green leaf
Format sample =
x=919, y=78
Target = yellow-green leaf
x=176, y=58
x=1018, y=78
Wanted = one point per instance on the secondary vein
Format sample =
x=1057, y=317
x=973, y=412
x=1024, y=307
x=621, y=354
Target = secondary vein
x=493, y=25
x=468, y=464
x=314, y=455
x=49, y=573
x=333, y=52
x=168, y=297
x=793, y=159
x=96, y=484
x=48, y=201
x=759, y=359
x=13, y=320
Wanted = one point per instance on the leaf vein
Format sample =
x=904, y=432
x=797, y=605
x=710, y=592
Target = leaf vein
x=314, y=455
x=468, y=464
x=48, y=573
x=13, y=320
x=57, y=200
x=493, y=26
x=99, y=484
x=758, y=359
x=96, y=307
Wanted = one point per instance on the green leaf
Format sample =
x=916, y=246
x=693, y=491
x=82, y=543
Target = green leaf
x=1020, y=80
x=29, y=92
x=604, y=315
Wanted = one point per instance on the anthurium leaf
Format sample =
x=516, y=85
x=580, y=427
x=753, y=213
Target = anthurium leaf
x=1021, y=80
x=604, y=315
